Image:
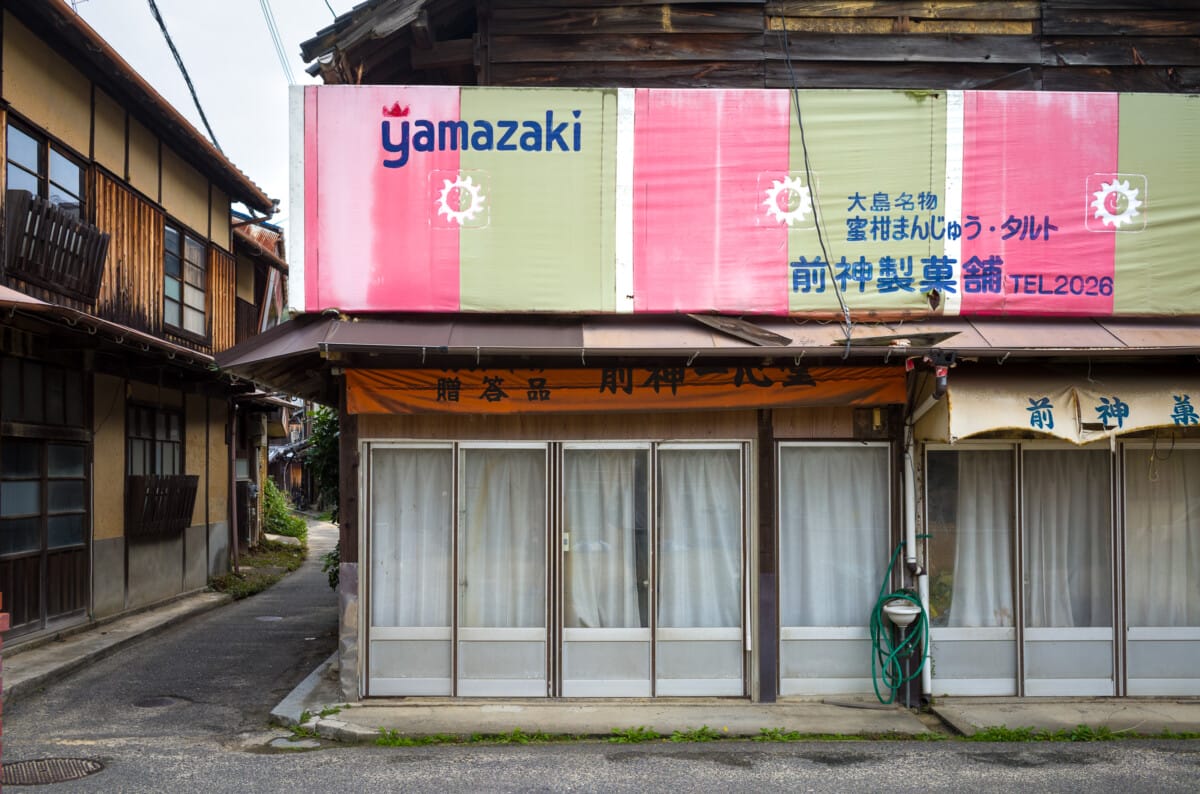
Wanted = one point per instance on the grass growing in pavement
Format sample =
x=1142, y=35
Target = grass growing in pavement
x=701, y=734
x=394, y=738
x=1080, y=733
x=634, y=735
x=260, y=567
x=639, y=734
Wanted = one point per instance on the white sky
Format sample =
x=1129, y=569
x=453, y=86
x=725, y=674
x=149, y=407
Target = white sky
x=229, y=54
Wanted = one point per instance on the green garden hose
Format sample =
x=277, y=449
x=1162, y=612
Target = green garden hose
x=886, y=655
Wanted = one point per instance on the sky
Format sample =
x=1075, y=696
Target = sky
x=231, y=59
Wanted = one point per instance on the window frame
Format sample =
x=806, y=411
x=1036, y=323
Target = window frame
x=46, y=148
x=182, y=284
x=153, y=442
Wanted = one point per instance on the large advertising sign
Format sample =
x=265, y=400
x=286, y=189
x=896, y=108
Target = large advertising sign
x=445, y=199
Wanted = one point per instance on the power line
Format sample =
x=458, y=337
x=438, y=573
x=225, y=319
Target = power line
x=183, y=70
x=818, y=218
x=277, y=40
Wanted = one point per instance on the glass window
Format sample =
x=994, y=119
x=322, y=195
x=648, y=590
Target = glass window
x=155, y=444
x=184, y=282
x=1162, y=541
x=20, y=535
x=23, y=149
x=40, y=167
x=502, y=538
x=411, y=514
x=65, y=531
x=833, y=533
x=971, y=520
x=605, y=543
x=1066, y=510
x=700, y=525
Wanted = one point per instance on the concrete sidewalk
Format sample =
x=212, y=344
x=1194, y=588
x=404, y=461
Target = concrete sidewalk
x=29, y=669
x=363, y=721
x=848, y=716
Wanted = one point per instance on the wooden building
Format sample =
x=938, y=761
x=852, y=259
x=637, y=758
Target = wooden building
x=123, y=273
x=572, y=463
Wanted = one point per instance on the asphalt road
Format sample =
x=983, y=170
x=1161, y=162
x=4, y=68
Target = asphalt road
x=186, y=711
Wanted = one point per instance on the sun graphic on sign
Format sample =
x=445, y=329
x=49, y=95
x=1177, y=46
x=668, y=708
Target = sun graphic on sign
x=788, y=200
x=1116, y=203
x=460, y=199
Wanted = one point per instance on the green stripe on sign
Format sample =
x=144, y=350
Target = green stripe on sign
x=1159, y=155
x=548, y=242
x=887, y=148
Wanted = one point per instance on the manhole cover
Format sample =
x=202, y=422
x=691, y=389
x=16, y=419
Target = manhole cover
x=39, y=771
x=268, y=618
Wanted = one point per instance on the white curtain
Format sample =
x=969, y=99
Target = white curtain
x=603, y=510
x=700, y=521
x=1067, y=509
x=503, y=538
x=982, y=593
x=1162, y=529
x=833, y=534
x=411, y=493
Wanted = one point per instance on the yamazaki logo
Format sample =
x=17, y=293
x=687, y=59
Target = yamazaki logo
x=402, y=137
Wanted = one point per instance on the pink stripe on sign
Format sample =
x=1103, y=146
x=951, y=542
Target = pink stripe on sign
x=379, y=242
x=1027, y=158
x=702, y=238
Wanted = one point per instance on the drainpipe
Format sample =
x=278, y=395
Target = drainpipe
x=231, y=442
x=941, y=366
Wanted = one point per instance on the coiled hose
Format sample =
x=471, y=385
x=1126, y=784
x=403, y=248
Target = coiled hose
x=886, y=655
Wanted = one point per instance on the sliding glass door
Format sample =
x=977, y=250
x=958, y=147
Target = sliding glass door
x=834, y=519
x=411, y=570
x=606, y=571
x=590, y=569
x=699, y=635
x=1162, y=568
x=1066, y=512
x=971, y=512
x=502, y=571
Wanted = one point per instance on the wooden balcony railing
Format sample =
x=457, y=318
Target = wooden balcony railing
x=159, y=505
x=52, y=248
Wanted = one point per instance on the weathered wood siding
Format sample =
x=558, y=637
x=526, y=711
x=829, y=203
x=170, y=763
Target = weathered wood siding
x=1139, y=45
x=222, y=299
x=131, y=292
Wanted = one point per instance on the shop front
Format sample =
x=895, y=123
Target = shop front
x=553, y=553
x=1064, y=554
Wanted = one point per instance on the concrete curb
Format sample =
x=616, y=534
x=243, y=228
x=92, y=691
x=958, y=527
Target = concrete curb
x=342, y=731
x=954, y=720
x=290, y=709
x=57, y=671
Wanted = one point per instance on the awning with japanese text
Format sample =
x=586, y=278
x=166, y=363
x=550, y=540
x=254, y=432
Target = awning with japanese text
x=600, y=389
x=1076, y=409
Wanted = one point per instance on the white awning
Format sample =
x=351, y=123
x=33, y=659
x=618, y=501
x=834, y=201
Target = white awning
x=1078, y=409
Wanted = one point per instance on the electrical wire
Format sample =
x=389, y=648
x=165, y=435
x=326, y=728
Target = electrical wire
x=817, y=217
x=330, y=9
x=183, y=70
x=277, y=40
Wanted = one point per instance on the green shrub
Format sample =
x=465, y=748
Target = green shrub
x=277, y=514
x=330, y=565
